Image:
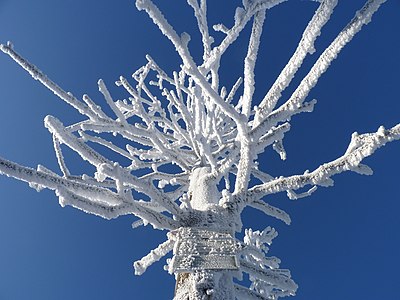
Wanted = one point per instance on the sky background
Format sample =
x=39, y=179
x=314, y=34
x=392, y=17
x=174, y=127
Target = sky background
x=344, y=241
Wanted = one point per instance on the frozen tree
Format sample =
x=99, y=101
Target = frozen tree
x=192, y=145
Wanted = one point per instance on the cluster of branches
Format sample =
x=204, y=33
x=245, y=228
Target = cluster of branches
x=189, y=119
x=198, y=122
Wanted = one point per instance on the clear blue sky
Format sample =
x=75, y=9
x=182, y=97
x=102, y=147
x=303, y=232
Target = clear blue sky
x=343, y=242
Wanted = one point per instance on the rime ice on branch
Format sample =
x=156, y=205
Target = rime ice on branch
x=209, y=136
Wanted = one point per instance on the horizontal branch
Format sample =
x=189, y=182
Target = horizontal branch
x=89, y=198
x=147, y=215
x=52, y=182
x=276, y=277
x=361, y=146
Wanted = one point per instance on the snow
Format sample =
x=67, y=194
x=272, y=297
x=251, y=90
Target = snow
x=154, y=255
x=267, y=279
x=211, y=136
x=305, y=46
x=203, y=193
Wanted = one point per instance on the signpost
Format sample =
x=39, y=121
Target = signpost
x=201, y=249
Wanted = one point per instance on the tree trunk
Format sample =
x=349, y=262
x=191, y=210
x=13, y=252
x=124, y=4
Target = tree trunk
x=204, y=285
x=208, y=283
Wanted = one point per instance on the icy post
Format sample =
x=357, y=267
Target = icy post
x=212, y=135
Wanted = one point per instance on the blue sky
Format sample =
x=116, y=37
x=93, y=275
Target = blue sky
x=343, y=242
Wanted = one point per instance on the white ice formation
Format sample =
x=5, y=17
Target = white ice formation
x=193, y=150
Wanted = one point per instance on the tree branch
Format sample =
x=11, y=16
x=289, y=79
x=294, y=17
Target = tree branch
x=362, y=17
x=305, y=46
x=361, y=146
x=43, y=79
x=250, y=61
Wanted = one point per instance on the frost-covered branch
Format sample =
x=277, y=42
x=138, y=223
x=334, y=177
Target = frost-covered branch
x=305, y=46
x=154, y=255
x=250, y=61
x=290, y=107
x=200, y=12
x=244, y=165
x=271, y=211
x=181, y=46
x=246, y=159
x=267, y=280
x=93, y=199
x=280, y=116
x=42, y=78
x=361, y=146
x=245, y=293
x=242, y=16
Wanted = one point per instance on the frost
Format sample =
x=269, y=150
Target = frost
x=208, y=136
x=154, y=255
x=267, y=280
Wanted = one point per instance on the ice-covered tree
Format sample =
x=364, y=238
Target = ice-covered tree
x=192, y=144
